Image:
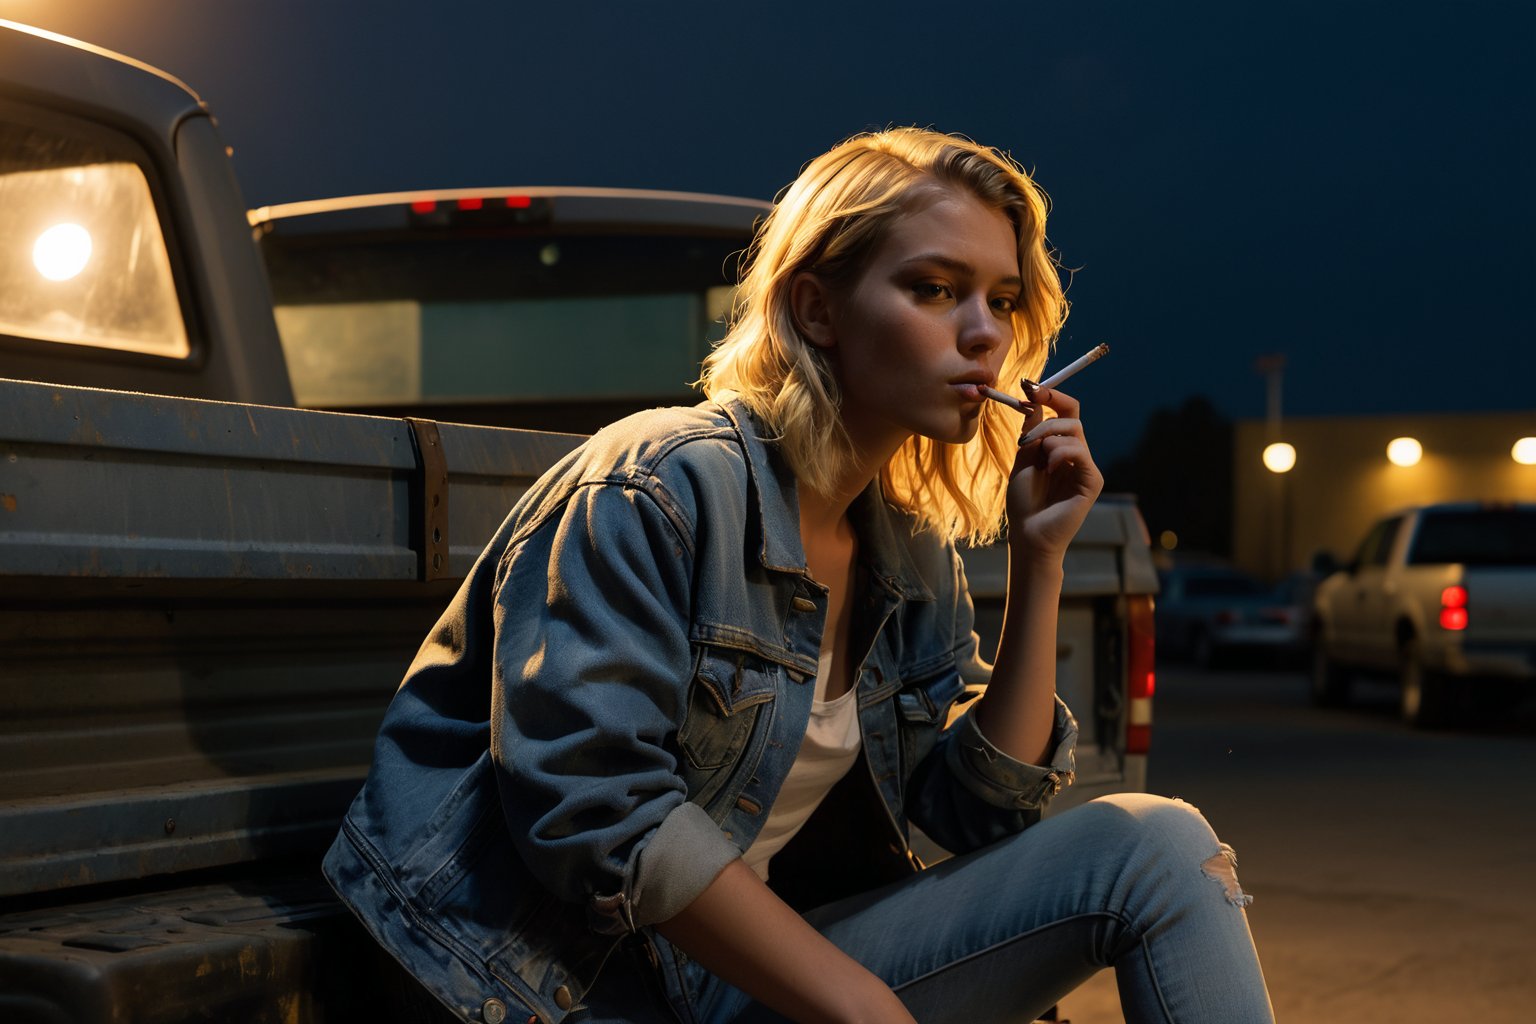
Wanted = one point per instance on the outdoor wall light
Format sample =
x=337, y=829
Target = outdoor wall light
x=1524, y=451
x=1404, y=451
x=1279, y=457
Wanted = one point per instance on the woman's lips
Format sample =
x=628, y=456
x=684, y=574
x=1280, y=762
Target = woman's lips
x=970, y=391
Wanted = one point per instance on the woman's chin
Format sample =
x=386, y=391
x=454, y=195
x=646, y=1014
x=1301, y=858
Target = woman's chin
x=954, y=432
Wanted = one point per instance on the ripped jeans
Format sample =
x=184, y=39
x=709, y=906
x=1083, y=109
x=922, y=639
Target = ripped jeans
x=1135, y=882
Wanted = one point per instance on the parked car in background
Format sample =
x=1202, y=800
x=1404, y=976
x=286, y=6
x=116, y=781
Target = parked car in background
x=1209, y=611
x=1441, y=597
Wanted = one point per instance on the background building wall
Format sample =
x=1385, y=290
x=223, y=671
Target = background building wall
x=1342, y=481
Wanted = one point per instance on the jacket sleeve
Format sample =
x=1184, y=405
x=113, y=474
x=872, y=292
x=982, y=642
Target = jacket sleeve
x=592, y=663
x=966, y=793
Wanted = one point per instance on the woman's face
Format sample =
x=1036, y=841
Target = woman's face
x=928, y=320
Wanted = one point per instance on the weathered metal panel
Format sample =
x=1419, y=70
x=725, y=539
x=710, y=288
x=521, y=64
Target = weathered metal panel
x=273, y=952
x=204, y=609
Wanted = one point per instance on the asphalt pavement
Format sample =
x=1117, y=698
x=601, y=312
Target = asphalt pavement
x=1393, y=871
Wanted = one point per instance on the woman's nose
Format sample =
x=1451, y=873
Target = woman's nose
x=983, y=330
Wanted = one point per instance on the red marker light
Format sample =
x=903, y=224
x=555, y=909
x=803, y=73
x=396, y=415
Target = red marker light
x=519, y=202
x=424, y=206
x=1141, y=650
x=471, y=204
x=1453, y=607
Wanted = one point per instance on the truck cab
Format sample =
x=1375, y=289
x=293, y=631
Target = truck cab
x=549, y=308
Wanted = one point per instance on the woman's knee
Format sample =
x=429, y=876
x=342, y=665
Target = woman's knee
x=1159, y=829
x=1154, y=825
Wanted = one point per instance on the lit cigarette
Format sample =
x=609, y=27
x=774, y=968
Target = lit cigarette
x=1093, y=355
x=1096, y=353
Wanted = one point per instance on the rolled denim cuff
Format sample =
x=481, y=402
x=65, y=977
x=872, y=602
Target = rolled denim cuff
x=686, y=853
x=1003, y=781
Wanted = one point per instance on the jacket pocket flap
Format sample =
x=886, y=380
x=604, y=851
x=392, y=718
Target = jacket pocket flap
x=735, y=679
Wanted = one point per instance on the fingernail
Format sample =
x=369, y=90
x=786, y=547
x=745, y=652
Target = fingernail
x=1029, y=386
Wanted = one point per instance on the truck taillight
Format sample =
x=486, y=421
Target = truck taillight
x=1453, y=607
x=1141, y=669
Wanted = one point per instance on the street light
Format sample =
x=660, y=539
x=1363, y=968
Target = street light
x=1279, y=457
x=1404, y=451
x=1524, y=451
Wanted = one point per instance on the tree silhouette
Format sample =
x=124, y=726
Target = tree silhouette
x=1181, y=472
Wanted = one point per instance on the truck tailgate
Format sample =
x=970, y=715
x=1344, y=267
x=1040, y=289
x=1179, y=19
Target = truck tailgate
x=1501, y=605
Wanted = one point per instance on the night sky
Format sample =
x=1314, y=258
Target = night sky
x=1346, y=183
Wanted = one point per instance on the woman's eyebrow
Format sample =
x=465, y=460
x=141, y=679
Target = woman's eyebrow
x=955, y=264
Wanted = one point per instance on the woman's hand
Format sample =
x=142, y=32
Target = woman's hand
x=1054, y=481
x=1054, y=484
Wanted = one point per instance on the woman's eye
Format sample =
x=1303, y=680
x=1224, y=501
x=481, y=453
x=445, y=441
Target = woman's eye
x=930, y=290
x=1005, y=304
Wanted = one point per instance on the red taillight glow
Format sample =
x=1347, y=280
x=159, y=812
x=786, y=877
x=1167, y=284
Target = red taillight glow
x=519, y=202
x=471, y=204
x=1140, y=668
x=1453, y=607
x=424, y=206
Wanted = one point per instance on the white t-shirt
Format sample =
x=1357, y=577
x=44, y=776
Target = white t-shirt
x=830, y=746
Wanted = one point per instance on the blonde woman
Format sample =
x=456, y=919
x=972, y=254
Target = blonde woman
x=659, y=758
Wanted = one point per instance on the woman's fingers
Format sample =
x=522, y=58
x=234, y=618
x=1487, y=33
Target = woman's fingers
x=1057, y=426
x=1064, y=406
x=1061, y=403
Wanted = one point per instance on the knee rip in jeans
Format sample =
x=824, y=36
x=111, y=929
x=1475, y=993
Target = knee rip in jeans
x=1223, y=868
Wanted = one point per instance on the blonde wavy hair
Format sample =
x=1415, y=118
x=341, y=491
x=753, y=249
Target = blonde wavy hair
x=831, y=220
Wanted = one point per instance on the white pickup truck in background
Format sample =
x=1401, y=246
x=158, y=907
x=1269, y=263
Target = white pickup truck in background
x=1444, y=597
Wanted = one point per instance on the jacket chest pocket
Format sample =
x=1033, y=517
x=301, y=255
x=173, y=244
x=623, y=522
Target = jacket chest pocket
x=730, y=691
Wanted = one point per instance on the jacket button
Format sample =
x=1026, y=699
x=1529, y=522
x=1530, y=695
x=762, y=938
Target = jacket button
x=803, y=604
x=563, y=998
x=494, y=1011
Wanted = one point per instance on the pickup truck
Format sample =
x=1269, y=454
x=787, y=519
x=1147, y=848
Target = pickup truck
x=208, y=593
x=1441, y=596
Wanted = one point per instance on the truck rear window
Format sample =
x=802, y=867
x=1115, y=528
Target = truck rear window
x=1476, y=537
x=82, y=257
x=549, y=317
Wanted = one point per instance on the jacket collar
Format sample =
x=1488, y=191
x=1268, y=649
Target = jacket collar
x=884, y=532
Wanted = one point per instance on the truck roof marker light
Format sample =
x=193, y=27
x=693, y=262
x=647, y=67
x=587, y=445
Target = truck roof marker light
x=473, y=203
x=1453, y=607
x=519, y=202
x=424, y=206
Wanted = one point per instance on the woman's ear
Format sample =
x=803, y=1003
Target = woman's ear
x=810, y=302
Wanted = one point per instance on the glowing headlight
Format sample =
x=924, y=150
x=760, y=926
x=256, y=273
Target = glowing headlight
x=62, y=251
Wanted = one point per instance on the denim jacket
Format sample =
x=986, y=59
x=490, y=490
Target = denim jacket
x=599, y=722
